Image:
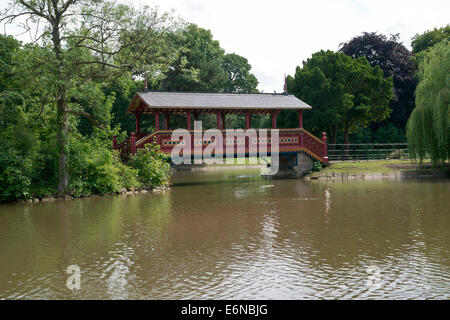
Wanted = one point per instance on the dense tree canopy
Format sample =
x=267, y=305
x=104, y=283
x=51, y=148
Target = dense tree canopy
x=421, y=42
x=203, y=65
x=239, y=78
x=346, y=93
x=15, y=162
x=428, y=128
x=86, y=42
x=396, y=61
x=198, y=68
x=64, y=95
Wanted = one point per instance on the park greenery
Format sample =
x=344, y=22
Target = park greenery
x=428, y=39
x=348, y=93
x=63, y=93
x=396, y=62
x=428, y=127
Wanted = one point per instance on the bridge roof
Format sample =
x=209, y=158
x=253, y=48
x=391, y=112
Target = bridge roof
x=147, y=102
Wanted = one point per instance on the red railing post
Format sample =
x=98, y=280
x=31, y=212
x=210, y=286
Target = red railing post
x=158, y=139
x=114, y=142
x=133, y=144
x=325, y=149
x=301, y=138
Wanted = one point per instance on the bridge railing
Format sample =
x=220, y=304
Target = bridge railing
x=313, y=144
x=129, y=145
x=367, y=151
x=290, y=140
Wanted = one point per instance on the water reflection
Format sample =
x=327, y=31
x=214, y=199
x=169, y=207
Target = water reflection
x=232, y=235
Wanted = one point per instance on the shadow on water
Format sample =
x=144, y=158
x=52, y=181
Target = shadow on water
x=183, y=178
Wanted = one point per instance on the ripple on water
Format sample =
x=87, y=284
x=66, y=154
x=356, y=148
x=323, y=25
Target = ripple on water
x=241, y=239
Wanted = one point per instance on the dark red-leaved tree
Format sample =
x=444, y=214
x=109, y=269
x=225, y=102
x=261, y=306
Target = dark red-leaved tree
x=395, y=60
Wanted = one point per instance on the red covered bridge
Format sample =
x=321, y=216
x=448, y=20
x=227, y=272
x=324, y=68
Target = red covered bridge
x=161, y=105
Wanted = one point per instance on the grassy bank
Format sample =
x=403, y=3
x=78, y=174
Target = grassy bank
x=383, y=166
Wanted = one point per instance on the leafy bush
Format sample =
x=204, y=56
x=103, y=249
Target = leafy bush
x=128, y=176
x=15, y=172
x=16, y=145
x=317, y=166
x=152, y=165
x=95, y=169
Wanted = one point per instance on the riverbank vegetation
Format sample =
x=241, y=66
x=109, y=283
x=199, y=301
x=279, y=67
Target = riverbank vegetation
x=429, y=125
x=63, y=93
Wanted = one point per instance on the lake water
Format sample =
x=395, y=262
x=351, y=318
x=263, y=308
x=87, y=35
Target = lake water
x=234, y=235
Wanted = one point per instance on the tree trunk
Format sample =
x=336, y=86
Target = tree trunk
x=334, y=135
x=61, y=104
x=347, y=129
x=63, y=130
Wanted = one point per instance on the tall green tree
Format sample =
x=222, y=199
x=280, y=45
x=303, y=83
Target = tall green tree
x=16, y=138
x=203, y=66
x=421, y=42
x=199, y=66
x=87, y=40
x=345, y=93
x=396, y=61
x=428, y=129
x=238, y=73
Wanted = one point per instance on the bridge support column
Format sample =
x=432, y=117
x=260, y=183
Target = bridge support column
x=223, y=120
x=292, y=166
x=166, y=121
x=219, y=120
x=157, y=121
x=247, y=120
x=188, y=116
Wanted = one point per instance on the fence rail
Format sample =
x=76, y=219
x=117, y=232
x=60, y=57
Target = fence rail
x=368, y=151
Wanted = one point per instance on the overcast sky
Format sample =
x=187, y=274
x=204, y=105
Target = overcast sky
x=276, y=36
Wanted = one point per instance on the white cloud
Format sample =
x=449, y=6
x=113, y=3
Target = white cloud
x=276, y=36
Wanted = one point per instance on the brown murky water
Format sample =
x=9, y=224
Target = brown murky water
x=233, y=235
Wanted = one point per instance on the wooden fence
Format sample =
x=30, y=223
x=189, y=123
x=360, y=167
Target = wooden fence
x=367, y=151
